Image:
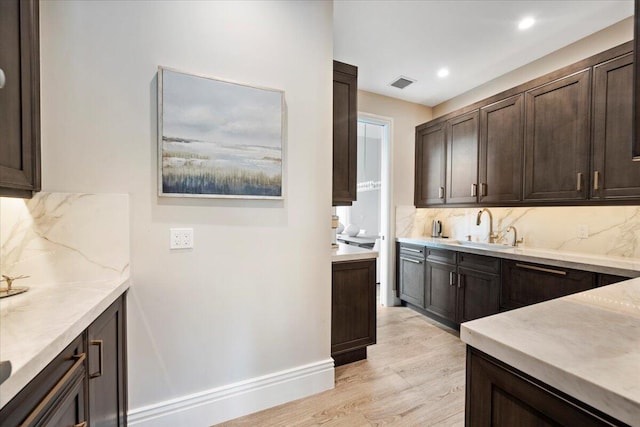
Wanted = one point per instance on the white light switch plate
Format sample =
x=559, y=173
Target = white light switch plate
x=181, y=238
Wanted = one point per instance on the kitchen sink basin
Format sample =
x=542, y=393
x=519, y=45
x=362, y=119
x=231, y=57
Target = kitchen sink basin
x=482, y=245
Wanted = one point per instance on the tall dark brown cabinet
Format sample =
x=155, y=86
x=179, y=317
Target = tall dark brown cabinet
x=614, y=174
x=500, y=146
x=345, y=133
x=557, y=139
x=636, y=86
x=19, y=98
x=462, y=159
x=431, y=150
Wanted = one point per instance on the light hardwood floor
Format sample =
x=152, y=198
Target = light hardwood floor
x=413, y=376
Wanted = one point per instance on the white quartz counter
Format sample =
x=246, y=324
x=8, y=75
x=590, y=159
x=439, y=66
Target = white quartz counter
x=37, y=325
x=586, y=345
x=621, y=266
x=351, y=253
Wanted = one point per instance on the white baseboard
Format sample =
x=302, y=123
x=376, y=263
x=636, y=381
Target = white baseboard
x=235, y=400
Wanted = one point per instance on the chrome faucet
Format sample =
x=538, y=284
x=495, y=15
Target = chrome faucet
x=492, y=235
x=515, y=235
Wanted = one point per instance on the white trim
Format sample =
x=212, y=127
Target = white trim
x=387, y=220
x=224, y=403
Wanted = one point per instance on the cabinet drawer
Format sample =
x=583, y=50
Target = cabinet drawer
x=37, y=391
x=441, y=255
x=413, y=251
x=524, y=283
x=479, y=262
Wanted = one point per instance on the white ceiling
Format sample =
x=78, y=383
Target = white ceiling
x=477, y=40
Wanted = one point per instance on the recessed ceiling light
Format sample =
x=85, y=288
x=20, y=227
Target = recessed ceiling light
x=526, y=23
x=443, y=72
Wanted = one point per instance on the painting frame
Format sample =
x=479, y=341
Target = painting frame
x=266, y=176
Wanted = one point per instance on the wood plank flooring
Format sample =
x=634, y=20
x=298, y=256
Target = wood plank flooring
x=413, y=376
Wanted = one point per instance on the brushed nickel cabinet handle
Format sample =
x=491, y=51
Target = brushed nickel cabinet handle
x=460, y=281
x=412, y=250
x=545, y=270
x=451, y=279
x=483, y=189
x=441, y=193
x=596, y=180
x=35, y=414
x=415, y=261
x=579, y=181
x=474, y=190
x=98, y=343
x=3, y=78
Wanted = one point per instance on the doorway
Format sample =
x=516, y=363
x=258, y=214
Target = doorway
x=371, y=212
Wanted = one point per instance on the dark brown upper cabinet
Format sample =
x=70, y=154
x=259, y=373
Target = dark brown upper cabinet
x=636, y=87
x=19, y=98
x=614, y=174
x=500, y=157
x=462, y=159
x=345, y=135
x=557, y=139
x=430, y=175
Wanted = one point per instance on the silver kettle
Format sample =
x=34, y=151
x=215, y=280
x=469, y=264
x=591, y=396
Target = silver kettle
x=436, y=229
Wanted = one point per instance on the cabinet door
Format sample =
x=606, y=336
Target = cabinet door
x=557, y=139
x=636, y=85
x=353, y=307
x=411, y=274
x=478, y=294
x=20, y=98
x=614, y=174
x=106, y=366
x=345, y=142
x=524, y=283
x=462, y=159
x=501, y=146
x=430, y=165
x=500, y=396
x=440, y=296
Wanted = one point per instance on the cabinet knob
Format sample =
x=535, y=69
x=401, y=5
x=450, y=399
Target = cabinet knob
x=3, y=79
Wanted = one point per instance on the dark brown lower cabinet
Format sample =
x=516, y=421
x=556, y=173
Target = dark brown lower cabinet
x=107, y=368
x=499, y=395
x=353, y=309
x=411, y=271
x=440, y=290
x=524, y=283
x=85, y=385
x=478, y=294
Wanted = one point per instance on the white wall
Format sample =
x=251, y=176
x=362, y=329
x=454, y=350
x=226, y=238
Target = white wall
x=253, y=297
x=607, y=38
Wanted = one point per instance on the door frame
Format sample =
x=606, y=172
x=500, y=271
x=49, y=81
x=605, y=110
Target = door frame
x=387, y=213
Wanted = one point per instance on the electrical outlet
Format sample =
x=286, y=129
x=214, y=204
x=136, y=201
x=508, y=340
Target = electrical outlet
x=181, y=238
x=583, y=231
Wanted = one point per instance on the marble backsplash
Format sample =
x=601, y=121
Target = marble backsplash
x=59, y=238
x=612, y=230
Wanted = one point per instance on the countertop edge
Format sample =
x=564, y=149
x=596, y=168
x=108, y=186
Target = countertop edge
x=595, y=265
x=496, y=336
x=346, y=252
x=20, y=378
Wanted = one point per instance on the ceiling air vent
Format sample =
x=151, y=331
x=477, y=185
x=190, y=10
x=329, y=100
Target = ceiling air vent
x=402, y=82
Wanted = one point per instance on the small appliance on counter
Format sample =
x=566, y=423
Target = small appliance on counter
x=436, y=229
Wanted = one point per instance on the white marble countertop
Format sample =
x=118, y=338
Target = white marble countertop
x=351, y=253
x=37, y=325
x=586, y=345
x=621, y=266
